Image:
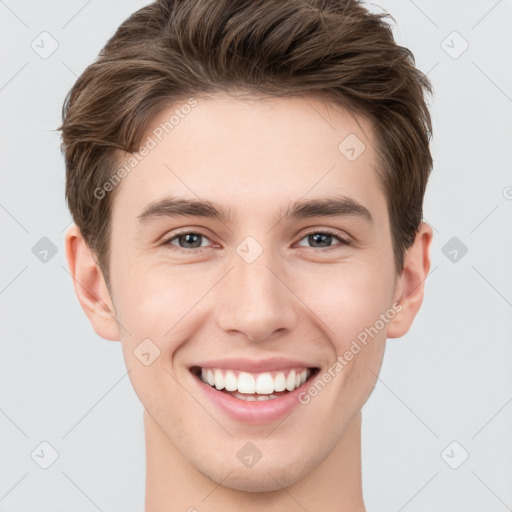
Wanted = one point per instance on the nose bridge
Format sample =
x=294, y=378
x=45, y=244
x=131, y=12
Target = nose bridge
x=254, y=300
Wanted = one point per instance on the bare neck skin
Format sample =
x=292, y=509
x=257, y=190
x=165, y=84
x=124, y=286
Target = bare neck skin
x=173, y=484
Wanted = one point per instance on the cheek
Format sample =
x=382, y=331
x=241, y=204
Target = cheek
x=351, y=307
x=350, y=301
x=152, y=313
x=151, y=310
x=151, y=301
x=362, y=311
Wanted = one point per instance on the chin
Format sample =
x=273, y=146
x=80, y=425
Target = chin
x=264, y=478
x=261, y=482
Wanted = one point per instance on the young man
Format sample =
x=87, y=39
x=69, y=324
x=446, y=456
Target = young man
x=247, y=179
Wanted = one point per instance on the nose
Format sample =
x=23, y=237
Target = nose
x=255, y=299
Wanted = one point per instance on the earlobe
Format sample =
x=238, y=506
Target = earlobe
x=414, y=273
x=90, y=286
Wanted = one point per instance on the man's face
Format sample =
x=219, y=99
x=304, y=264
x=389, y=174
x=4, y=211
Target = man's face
x=258, y=288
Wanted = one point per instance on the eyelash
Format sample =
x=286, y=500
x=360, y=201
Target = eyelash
x=343, y=241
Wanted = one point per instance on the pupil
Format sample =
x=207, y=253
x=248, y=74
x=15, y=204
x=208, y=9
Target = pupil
x=189, y=239
x=316, y=236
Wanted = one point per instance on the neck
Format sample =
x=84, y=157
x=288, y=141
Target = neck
x=173, y=484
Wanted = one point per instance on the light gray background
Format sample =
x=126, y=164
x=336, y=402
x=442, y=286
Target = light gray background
x=449, y=379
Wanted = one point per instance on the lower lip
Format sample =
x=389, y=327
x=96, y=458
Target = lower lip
x=255, y=412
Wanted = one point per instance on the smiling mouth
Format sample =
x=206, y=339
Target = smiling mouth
x=261, y=386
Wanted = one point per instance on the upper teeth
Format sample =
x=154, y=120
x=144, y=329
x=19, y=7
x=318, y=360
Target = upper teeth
x=261, y=383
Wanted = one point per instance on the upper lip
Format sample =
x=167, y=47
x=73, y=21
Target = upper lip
x=255, y=366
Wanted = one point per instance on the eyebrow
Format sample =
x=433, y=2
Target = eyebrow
x=175, y=207
x=337, y=206
x=340, y=206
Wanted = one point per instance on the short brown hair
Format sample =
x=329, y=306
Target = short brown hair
x=171, y=50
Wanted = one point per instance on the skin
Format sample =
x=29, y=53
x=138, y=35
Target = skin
x=254, y=156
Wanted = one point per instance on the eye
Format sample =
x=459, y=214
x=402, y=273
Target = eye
x=191, y=241
x=323, y=237
x=188, y=241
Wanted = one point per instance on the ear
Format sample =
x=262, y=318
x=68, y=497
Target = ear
x=90, y=286
x=411, y=282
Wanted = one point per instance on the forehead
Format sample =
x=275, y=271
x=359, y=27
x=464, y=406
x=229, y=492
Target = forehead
x=252, y=155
